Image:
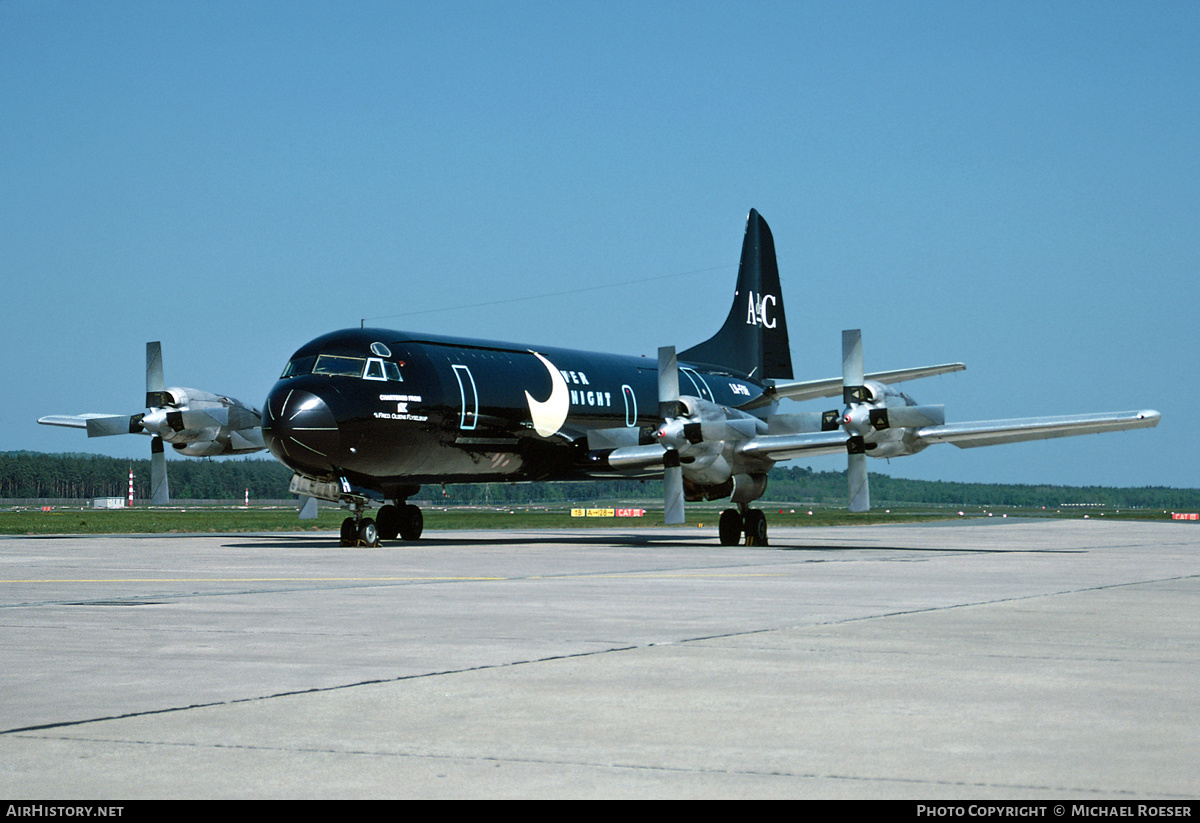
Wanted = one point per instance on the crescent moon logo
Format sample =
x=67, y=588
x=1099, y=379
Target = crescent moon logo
x=548, y=416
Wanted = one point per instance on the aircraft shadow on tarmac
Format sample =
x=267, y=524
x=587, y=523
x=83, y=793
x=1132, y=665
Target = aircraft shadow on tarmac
x=580, y=538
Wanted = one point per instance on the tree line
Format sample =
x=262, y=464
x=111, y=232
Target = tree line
x=86, y=476
x=802, y=483
x=26, y=475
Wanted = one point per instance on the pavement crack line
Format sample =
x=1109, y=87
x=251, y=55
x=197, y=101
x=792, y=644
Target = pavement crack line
x=378, y=681
x=1106, y=791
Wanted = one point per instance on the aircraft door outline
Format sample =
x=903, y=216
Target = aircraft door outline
x=700, y=384
x=469, y=396
x=630, y=405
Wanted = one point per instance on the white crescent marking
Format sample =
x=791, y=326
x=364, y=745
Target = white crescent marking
x=549, y=416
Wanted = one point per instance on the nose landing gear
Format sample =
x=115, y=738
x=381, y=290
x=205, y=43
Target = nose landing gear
x=360, y=531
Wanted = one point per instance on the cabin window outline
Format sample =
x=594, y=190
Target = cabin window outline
x=630, y=405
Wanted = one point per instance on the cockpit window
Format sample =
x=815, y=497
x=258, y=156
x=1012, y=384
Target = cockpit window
x=378, y=369
x=336, y=365
x=298, y=366
x=339, y=366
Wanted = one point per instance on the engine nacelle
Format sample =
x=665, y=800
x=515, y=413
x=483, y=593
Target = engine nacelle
x=203, y=448
x=708, y=422
x=175, y=397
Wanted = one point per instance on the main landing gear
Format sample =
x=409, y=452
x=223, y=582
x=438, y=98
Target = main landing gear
x=393, y=520
x=736, y=521
x=404, y=521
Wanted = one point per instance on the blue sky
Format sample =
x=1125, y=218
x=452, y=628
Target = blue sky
x=1014, y=185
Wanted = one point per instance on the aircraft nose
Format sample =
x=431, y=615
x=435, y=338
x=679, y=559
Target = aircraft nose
x=300, y=430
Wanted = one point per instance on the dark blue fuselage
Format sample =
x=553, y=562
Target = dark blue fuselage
x=389, y=410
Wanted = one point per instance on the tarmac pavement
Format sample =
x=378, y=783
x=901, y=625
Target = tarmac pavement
x=983, y=659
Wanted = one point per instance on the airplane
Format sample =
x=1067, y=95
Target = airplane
x=196, y=423
x=365, y=416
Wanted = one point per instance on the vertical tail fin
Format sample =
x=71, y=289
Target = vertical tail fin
x=754, y=339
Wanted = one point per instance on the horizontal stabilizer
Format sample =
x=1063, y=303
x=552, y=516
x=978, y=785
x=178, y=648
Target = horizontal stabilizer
x=812, y=389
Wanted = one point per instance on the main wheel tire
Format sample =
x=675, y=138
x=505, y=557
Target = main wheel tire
x=387, y=521
x=756, y=528
x=412, y=522
x=730, y=527
x=349, y=529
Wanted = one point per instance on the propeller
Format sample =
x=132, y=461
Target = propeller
x=196, y=423
x=866, y=412
x=156, y=397
x=151, y=422
x=669, y=434
x=855, y=395
x=698, y=428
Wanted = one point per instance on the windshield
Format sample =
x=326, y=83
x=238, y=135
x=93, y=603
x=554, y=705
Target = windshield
x=336, y=365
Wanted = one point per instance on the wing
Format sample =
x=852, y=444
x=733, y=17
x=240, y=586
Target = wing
x=994, y=432
x=788, y=446
x=963, y=435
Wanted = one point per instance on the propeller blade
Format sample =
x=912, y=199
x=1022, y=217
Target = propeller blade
x=673, y=514
x=114, y=424
x=668, y=383
x=160, y=492
x=853, y=390
x=856, y=476
x=156, y=387
x=668, y=408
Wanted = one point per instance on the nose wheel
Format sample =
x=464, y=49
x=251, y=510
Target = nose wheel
x=360, y=531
